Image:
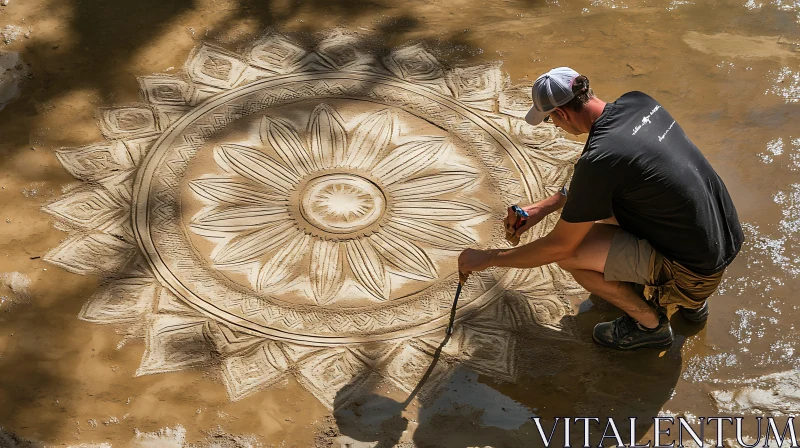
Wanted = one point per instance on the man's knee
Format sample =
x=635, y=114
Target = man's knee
x=568, y=264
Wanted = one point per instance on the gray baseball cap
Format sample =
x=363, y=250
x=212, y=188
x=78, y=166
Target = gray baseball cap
x=551, y=90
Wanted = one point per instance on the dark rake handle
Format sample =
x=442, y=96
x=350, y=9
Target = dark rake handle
x=453, y=310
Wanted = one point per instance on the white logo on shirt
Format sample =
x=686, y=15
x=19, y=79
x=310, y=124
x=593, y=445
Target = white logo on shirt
x=665, y=132
x=645, y=120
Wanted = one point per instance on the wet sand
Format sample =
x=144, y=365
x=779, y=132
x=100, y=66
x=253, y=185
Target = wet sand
x=729, y=73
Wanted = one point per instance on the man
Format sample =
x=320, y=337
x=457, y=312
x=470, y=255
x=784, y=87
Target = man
x=647, y=222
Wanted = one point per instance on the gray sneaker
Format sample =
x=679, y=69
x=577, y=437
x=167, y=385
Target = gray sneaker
x=625, y=333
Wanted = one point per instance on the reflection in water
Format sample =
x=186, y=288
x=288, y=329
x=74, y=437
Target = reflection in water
x=786, y=83
x=465, y=392
x=558, y=376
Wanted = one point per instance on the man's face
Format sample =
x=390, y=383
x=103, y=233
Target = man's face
x=563, y=119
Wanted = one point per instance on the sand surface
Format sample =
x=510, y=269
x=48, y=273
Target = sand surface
x=234, y=223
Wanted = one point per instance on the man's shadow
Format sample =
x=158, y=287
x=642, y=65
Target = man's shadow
x=369, y=417
x=561, y=373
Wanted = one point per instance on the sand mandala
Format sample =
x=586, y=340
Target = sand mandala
x=291, y=211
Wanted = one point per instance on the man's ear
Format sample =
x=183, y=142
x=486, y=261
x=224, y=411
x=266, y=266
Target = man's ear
x=563, y=115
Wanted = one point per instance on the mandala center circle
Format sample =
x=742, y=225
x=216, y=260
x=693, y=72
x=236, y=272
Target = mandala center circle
x=341, y=203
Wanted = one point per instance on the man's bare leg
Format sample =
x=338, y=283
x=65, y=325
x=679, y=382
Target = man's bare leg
x=587, y=268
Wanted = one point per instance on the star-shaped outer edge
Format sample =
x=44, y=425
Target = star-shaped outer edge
x=96, y=213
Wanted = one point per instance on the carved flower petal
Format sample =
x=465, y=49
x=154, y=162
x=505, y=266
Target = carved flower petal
x=256, y=166
x=215, y=190
x=93, y=253
x=409, y=159
x=237, y=219
x=367, y=267
x=91, y=209
x=432, y=185
x=489, y=351
x=332, y=375
x=409, y=364
x=247, y=373
x=283, y=265
x=370, y=138
x=285, y=141
x=250, y=246
x=98, y=161
x=327, y=136
x=414, y=63
x=175, y=343
x=326, y=270
x=125, y=300
x=404, y=255
x=439, y=210
x=436, y=235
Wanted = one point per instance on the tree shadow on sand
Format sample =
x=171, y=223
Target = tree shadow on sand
x=560, y=374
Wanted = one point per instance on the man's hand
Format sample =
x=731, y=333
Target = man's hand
x=472, y=260
x=536, y=213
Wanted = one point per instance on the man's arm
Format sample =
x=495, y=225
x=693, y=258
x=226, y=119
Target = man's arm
x=554, y=202
x=559, y=244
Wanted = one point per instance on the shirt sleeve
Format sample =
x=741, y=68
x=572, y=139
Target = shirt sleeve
x=590, y=193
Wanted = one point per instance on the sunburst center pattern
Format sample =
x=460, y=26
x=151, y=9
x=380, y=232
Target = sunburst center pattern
x=342, y=203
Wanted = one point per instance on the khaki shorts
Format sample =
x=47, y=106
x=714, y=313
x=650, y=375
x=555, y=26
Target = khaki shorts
x=634, y=260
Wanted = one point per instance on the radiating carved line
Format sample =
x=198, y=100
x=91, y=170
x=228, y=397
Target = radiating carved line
x=409, y=159
x=285, y=141
x=250, y=246
x=225, y=190
x=404, y=255
x=432, y=185
x=282, y=265
x=237, y=219
x=326, y=270
x=327, y=136
x=256, y=166
x=367, y=267
x=433, y=234
x=370, y=138
x=439, y=210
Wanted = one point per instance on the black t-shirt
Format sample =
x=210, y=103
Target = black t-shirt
x=640, y=166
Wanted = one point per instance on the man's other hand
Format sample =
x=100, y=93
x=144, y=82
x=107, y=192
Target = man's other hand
x=535, y=215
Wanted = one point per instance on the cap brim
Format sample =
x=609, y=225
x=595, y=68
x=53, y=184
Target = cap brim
x=535, y=117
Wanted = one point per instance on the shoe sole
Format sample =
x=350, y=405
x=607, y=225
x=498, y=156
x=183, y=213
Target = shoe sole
x=657, y=344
